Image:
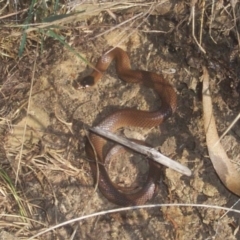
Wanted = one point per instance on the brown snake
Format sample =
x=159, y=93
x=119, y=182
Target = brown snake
x=127, y=117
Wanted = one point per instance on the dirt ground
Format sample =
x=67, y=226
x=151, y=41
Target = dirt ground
x=55, y=176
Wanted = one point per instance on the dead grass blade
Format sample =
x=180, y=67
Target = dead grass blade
x=134, y=208
x=224, y=168
x=25, y=126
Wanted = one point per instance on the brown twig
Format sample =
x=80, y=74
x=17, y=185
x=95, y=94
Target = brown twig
x=150, y=152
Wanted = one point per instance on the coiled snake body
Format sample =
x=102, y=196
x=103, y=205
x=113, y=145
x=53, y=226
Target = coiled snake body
x=128, y=117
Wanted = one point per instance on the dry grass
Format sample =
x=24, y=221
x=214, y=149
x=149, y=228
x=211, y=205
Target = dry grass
x=26, y=31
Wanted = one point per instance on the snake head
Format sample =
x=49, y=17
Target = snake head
x=87, y=81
